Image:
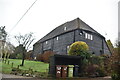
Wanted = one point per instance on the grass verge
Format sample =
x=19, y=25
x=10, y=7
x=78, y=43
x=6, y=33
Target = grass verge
x=35, y=65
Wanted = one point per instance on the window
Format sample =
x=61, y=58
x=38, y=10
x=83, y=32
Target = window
x=88, y=36
x=46, y=42
x=81, y=33
x=57, y=38
x=68, y=48
x=65, y=28
x=91, y=37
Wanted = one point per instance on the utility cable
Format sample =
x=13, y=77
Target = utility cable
x=23, y=15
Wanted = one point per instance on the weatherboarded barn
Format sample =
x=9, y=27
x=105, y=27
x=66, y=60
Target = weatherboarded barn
x=59, y=39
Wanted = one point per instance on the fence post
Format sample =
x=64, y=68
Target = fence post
x=12, y=65
x=8, y=62
x=18, y=66
x=5, y=61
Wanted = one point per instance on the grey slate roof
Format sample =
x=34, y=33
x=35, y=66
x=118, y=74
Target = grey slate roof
x=70, y=25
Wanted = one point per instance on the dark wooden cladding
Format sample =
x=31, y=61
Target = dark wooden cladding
x=59, y=39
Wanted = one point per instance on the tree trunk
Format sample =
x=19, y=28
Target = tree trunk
x=23, y=56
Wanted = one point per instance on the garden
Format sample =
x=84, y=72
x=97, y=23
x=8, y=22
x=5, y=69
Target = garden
x=93, y=67
x=30, y=68
x=97, y=66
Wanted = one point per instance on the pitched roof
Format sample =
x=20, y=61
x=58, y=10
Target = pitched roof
x=70, y=25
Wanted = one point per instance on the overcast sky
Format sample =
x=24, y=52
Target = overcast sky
x=45, y=15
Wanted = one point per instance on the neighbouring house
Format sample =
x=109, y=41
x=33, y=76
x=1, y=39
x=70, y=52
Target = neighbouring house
x=6, y=47
x=60, y=39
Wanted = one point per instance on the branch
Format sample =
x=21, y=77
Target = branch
x=30, y=43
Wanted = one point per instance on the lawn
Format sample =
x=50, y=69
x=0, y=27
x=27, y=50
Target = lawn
x=35, y=65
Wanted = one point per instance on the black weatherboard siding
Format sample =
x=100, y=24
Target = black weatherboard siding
x=59, y=39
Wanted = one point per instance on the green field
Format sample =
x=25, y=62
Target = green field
x=35, y=65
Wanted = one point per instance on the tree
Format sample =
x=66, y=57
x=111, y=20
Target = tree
x=78, y=48
x=3, y=35
x=6, y=48
x=115, y=59
x=110, y=45
x=24, y=41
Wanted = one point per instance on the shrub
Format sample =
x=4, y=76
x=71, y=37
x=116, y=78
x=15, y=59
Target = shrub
x=115, y=76
x=101, y=72
x=78, y=48
x=94, y=70
x=96, y=60
x=12, y=56
x=46, y=56
x=39, y=57
x=19, y=56
x=91, y=69
x=28, y=55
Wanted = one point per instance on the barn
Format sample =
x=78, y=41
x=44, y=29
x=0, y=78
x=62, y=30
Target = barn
x=60, y=39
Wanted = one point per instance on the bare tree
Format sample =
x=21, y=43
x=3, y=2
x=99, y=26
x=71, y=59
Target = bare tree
x=25, y=41
x=3, y=35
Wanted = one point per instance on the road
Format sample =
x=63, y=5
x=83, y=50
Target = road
x=16, y=77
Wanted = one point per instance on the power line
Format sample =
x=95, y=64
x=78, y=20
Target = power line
x=23, y=15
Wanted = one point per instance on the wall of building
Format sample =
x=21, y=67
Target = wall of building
x=47, y=45
x=95, y=45
x=59, y=44
x=106, y=49
x=37, y=49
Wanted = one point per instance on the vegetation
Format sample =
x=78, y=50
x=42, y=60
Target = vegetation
x=92, y=65
x=24, y=42
x=115, y=62
x=6, y=48
x=34, y=65
x=78, y=48
x=45, y=57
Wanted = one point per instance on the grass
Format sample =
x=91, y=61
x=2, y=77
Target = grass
x=35, y=65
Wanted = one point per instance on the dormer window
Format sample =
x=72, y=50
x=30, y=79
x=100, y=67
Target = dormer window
x=65, y=28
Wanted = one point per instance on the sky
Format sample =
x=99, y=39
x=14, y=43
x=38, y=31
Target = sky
x=45, y=15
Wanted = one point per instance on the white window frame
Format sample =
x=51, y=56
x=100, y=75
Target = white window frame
x=88, y=36
x=91, y=37
x=46, y=42
x=65, y=28
x=68, y=48
x=57, y=38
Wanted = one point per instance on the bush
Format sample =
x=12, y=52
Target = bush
x=94, y=71
x=12, y=56
x=19, y=56
x=78, y=48
x=115, y=76
x=46, y=56
x=101, y=72
x=28, y=55
x=39, y=57
x=96, y=60
x=91, y=70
